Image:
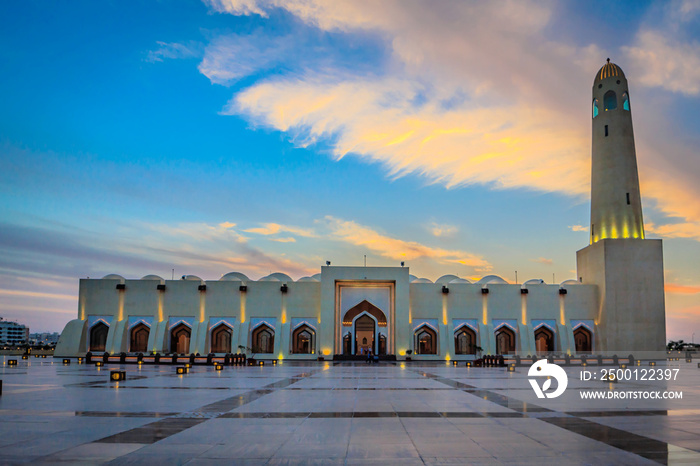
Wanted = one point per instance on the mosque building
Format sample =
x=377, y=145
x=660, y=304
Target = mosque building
x=615, y=304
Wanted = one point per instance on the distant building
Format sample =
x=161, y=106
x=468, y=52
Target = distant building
x=44, y=338
x=615, y=304
x=12, y=333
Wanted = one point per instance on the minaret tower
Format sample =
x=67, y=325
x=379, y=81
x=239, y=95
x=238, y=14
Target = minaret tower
x=616, y=205
x=627, y=269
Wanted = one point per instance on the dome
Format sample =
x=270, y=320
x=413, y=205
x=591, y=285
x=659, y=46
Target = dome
x=191, y=277
x=152, y=277
x=534, y=281
x=570, y=282
x=411, y=278
x=316, y=277
x=277, y=276
x=492, y=280
x=609, y=70
x=307, y=279
x=457, y=281
x=421, y=280
x=234, y=277
x=445, y=279
x=112, y=276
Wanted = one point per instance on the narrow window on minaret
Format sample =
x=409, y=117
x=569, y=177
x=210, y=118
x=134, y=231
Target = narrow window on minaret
x=628, y=198
x=606, y=131
x=592, y=230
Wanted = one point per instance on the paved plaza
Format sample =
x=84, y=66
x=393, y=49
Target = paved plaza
x=335, y=413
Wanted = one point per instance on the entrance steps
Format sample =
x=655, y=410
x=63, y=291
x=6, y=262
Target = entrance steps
x=359, y=357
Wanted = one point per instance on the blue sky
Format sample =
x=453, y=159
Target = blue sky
x=253, y=136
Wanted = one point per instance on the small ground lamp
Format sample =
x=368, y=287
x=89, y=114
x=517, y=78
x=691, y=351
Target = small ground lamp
x=219, y=366
x=652, y=363
x=181, y=370
x=25, y=356
x=66, y=361
x=11, y=362
x=116, y=376
x=261, y=363
x=99, y=364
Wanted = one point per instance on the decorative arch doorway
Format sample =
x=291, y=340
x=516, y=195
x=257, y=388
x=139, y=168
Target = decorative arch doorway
x=505, y=340
x=180, y=339
x=221, y=339
x=365, y=333
x=544, y=340
x=138, y=341
x=583, y=340
x=98, y=336
x=364, y=330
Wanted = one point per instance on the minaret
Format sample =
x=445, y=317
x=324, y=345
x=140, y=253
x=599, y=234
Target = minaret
x=616, y=205
x=626, y=269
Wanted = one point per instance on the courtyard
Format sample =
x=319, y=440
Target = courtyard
x=336, y=413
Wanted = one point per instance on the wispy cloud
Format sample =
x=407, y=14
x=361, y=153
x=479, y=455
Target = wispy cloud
x=443, y=230
x=578, y=228
x=514, y=121
x=681, y=289
x=398, y=249
x=275, y=228
x=543, y=261
x=174, y=50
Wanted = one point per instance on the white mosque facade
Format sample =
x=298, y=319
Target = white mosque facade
x=615, y=304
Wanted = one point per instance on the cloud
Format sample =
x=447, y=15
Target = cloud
x=681, y=289
x=543, y=261
x=443, y=230
x=397, y=249
x=174, y=50
x=275, y=228
x=284, y=240
x=519, y=119
x=578, y=228
x=664, y=62
x=36, y=294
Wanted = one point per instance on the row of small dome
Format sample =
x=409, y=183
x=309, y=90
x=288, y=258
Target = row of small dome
x=283, y=277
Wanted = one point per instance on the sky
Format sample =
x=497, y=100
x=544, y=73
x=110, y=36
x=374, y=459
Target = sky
x=174, y=138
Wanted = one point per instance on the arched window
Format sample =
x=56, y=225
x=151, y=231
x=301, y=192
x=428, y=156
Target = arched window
x=221, y=339
x=347, y=344
x=180, y=339
x=425, y=340
x=263, y=339
x=465, y=341
x=544, y=340
x=303, y=339
x=139, y=338
x=626, y=101
x=583, y=340
x=505, y=341
x=610, y=100
x=98, y=336
x=595, y=108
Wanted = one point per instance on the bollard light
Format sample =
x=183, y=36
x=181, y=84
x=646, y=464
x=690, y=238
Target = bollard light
x=24, y=356
x=454, y=363
x=80, y=360
x=652, y=363
x=181, y=370
x=11, y=362
x=639, y=362
x=43, y=356
x=274, y=362
x=688, y=360
x=623, y=366
x=116, y=376
x=99, y=364
x=66, y=361
x=469, y=364
x=261, y=363
x=188, y=365
x=511, y=368
x=219, y=367
x=584, y=364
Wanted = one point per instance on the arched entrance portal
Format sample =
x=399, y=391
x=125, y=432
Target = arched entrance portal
x=505, y=340
x=221, y=339
x=583, y=340
x=364, y=330
x=139, y=338
x=98, y=336
x=544, y=340
x=180, y=339
x=364, y=335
